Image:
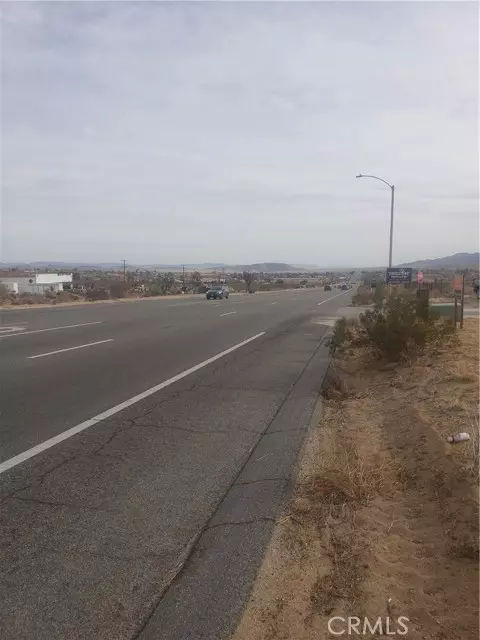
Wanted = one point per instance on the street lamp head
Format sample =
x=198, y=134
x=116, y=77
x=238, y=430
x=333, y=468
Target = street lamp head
x=359, y=176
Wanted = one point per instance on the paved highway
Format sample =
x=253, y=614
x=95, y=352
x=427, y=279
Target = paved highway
x=129, y=435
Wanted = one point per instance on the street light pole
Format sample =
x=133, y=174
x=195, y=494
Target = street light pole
x=392, y=189
x=391, y=227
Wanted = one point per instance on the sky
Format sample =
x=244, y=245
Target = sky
x=191, y=132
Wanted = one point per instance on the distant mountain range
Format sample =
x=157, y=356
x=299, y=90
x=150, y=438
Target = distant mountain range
x=61, y=265
x=457, y=261
x=104, y=266
x=266, y=267
x=271, y=267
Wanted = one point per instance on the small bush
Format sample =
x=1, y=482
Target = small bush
x=393, y=329
x=343, y=334
x=29, y=298
x=152, y=291
x=96, y=294
x=362, y=298
x=118, y=290
x=66, y=296
x=51, y=295
x=367, y=295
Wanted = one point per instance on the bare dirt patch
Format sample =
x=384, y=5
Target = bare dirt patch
x=384, y=519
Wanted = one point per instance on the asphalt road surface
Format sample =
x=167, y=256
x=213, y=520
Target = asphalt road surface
x=145, y=449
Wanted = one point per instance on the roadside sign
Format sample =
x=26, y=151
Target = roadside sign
x=420, y=277
x=399, y=275
x=457, y=284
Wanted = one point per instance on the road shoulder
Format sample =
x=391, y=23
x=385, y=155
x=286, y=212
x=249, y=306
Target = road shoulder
x=384, y=518
x=209, y=594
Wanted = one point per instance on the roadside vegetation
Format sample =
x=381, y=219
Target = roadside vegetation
x=90, y=286
x=395, y=329
x=367, y=295
x=384, y=517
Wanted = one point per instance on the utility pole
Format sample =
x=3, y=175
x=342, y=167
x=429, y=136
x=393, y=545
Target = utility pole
x=183, y=277
x=124, y=270
x=391, y=226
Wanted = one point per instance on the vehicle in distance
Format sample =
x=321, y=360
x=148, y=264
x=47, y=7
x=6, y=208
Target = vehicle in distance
x=327, y=287
x=344, y=287
x=218, y=292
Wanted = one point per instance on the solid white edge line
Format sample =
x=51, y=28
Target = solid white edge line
x=51, y=442
x=332, y=298
x=68, y=326
x=227, y=314
x=80, y=346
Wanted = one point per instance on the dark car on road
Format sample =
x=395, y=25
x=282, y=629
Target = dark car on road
x=327, y=287
x=344, y=287
x=218, y=292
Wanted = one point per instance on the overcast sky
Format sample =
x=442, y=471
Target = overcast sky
x=232, y=132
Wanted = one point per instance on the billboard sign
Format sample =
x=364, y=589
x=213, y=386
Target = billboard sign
x=399, y=275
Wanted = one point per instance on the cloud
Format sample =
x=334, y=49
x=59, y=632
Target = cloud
x=143, y=126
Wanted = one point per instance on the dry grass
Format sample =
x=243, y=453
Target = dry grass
x=347, y=572
x=444, y=390
x=385, y=513
x=460, y=371
x=336, y=385
x=364, y=295
x=472, y=448
x=351, y=476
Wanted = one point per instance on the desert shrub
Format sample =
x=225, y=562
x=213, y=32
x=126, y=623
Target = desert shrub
x=367, y=295
x=379, y=294
x=50, y=296
x=396, y=331
x=343, y=334
x=393, y=329
x=363, y=296
x=118, y=289
x=162, y=285
x=29, y=298
x=4, y=292
x=153, y=290
x=66, y=296
x=96, y=294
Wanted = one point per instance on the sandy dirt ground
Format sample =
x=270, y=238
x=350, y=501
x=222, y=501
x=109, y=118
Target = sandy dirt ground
x=384, y=518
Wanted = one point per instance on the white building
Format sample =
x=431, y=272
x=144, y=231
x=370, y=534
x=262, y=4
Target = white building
x=37, y=283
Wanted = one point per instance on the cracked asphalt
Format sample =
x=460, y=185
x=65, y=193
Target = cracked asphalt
x=152, y=522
